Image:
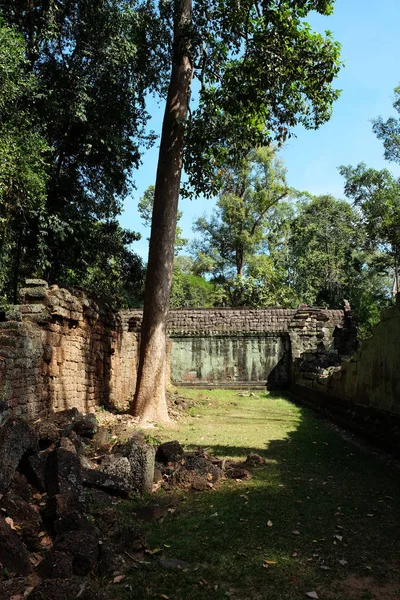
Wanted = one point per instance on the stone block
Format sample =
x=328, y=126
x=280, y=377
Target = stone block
x=16, y=439
x=13, y=553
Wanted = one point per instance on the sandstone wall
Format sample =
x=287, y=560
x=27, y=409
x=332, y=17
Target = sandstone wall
x=60, y=349
x=370, y=378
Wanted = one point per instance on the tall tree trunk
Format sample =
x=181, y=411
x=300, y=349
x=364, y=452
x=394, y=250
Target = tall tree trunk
x=150, y=400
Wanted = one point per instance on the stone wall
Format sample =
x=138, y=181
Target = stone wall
x=60, y=349
x=369, y=378
x=55, y=351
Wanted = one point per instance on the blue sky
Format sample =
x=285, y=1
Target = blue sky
x=369, y=33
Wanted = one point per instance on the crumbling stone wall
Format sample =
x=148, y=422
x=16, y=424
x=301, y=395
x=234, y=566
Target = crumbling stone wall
x=368, y=378
x=60, y=349
x=55, y=351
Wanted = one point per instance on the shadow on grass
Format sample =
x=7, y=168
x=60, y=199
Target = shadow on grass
x=320, y=508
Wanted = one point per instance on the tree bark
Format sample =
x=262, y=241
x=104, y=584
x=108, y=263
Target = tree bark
x=150, y=399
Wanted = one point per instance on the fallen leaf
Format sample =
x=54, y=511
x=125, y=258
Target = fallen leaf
x=118, y=578
x=17, y=597
x=269, y=523
x=271, y=562
x=312, y=595
x=294, y=554
x=343, y=562
x=151, y=552
x=10, y=522
x=46, y=541
x=295, y=532
x=338, y=537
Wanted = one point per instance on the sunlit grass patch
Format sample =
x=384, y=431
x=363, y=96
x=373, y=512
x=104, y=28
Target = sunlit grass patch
x=319, y=510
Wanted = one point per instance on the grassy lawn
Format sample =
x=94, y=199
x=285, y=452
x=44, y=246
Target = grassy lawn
x=324, y=512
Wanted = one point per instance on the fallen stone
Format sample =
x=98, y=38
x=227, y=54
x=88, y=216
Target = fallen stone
x=73, y=521
x=197, y=472
x=135, y=460
x=151, y=513
x=26, y=517
x=67, y=444
x=56, y=565
x=65, y=417
x=99, y=499
x=169, y=452
x=77, y=441
x=47, y=432
x=56, y=589
x=82, y=546
x=110, y=561
x=173, y=563
x=63, y=472
x=112, y=484
x=238, y=473
x=128, y=538
x=116, y=465
x=62, y=505
x=35, y=469
x=85, y=425
x=16, y=439
x=254, y=460
x=108, y=521
x=20, y=487
x=13, y=553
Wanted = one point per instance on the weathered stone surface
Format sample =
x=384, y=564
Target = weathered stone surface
x=63, y=472
x=238, y=472
x=64, y=509
x=197, y=472
x=110, y=560
x=56, y=589
x=16, y=438
x=141, y=458
x=36, y=283
x=82, y=546
x=65, y=417
x=20, y=487
x=13, y=553
x=134, y=462
x=25, y=517
x=47, y=432
x=173, y=563
x=85, y=425
x=169, y=452
x=35, y=469
x=112, y=484
x=128, y=538
x=56, y=565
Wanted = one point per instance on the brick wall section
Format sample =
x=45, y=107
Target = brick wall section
x=60, y=349
x=369, y=378
x=203, y=321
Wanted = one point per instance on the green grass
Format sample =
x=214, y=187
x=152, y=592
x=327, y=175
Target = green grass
x=314, y=482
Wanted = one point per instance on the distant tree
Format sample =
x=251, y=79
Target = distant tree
x=236, y=230
x=325, y=241
x=389, y=131
x=377, y=195
x=193, y=291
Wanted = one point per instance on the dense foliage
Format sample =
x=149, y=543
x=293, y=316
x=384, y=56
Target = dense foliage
x=87, y=57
